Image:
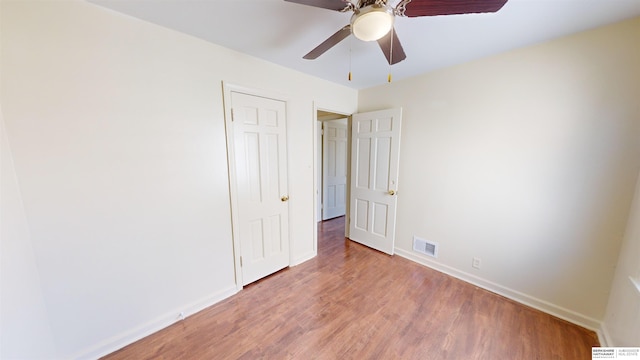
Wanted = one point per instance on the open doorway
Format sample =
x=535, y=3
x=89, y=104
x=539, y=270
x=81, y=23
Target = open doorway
x=332, y=160
x=372, y=169
x=332, y=189
x=325, y=116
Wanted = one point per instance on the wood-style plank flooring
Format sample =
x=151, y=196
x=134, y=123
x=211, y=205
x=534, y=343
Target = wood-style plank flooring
x=352, y=302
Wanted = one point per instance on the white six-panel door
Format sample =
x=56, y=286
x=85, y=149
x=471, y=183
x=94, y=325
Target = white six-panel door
x=375, y=152
x=334, y=169
x=260, y=159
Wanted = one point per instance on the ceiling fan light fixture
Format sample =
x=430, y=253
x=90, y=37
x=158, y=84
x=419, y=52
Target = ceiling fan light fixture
x=372, y=22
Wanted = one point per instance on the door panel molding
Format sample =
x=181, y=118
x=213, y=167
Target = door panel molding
x=375, y=154
x=267, y=228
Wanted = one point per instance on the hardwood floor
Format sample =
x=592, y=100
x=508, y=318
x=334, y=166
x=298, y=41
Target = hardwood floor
x=351, y=302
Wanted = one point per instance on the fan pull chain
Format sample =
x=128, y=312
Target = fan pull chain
x=350, y=43
x=390, y=55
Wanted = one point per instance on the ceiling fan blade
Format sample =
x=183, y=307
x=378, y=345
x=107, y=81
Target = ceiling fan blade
x=396, y=54
x=329, y=43
x=416, y=8
x=325, y=4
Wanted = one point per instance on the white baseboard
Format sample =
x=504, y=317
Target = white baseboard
x=130, y=336
x=605, y=337
x=542, y=305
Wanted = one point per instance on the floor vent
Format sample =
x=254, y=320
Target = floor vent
x=425, y=247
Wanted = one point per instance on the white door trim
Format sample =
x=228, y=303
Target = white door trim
x=233, y=191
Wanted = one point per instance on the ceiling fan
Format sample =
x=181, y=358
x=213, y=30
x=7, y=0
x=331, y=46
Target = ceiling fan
x=372, y=20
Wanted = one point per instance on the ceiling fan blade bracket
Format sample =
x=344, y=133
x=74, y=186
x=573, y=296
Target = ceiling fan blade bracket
x=349, y=6
x=401, y=8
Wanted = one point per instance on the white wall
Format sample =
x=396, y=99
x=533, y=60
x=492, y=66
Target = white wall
x=24, y=324
x=117, y=132
x=115, y=209
x=528, y=161
x=621, y=326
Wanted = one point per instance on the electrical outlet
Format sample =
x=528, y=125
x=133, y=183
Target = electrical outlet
x=475, y=263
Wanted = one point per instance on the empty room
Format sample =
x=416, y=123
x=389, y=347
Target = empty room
x=280, y=179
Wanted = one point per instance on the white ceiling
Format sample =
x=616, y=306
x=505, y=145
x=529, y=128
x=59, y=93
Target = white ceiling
x=282, y=32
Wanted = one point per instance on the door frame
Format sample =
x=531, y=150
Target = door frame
x=317, y=157
x=227, y=89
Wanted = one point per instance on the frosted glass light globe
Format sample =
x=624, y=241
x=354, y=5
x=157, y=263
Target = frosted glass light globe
x=372, y=22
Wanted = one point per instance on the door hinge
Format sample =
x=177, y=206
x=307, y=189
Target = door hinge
x=232, y=115
x=321, y=131
x=240, y=261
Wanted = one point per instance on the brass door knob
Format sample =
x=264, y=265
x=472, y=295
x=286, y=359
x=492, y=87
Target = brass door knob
x=392, y=192
x=284, y=198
